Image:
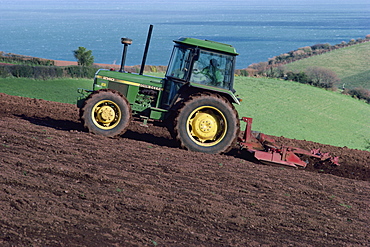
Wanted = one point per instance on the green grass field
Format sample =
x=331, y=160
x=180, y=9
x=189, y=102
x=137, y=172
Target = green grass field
x=279, y=108
x=351, y=64
x=298, y=111
x=58, y=90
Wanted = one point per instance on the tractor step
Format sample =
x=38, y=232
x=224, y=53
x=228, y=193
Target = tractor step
x=264, y=149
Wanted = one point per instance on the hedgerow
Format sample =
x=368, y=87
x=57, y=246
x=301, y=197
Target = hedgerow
x=359, y=93
x=47, y=72
x=20, y=59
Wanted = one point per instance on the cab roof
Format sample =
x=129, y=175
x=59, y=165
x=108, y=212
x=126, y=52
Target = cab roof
x=208, y=44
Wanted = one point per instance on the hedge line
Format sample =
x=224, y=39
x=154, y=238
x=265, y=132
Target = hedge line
x=304, y=52
x=20, y=59
x=47, y=72
x=359, y=93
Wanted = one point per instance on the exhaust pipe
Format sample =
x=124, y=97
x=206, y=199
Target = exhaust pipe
x=146, y=49
x=126, y=42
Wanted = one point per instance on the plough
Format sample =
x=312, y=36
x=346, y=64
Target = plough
x=264, y=149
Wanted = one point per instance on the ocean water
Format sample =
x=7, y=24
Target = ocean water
x=258, y=29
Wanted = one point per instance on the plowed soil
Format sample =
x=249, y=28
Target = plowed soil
x=62, y=186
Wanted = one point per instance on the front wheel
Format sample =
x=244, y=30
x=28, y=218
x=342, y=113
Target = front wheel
x=206, y=123
x=106, y=112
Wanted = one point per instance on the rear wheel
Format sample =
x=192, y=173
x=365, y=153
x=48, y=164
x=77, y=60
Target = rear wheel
x=106, y=112
x=206, y=123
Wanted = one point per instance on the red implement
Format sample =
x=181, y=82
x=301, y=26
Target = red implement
x=266, y=150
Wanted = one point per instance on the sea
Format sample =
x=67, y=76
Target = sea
x=258, y=29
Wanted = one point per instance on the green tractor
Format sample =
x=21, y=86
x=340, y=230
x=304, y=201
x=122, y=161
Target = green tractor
x=195, y=98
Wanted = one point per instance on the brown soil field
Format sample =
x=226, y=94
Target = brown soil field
x=62, y=186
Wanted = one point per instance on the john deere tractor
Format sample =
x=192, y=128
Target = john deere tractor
x=195, y=98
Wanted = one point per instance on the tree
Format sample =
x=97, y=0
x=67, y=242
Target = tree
x=260, y=67
x=300, y=77
x=322, y=77
x=83, y=56
x=360, y=93
x=306, y=49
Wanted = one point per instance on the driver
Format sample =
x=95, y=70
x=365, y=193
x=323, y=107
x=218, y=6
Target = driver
x=210, y=74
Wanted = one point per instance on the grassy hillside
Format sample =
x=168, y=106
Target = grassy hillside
x=304, y=112
x=279, y=108
x=58, y=90
x=351, y=64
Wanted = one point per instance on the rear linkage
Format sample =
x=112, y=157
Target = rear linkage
x=265, y=150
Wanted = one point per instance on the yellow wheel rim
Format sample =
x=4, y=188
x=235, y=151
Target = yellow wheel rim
x=206, y=126
x=106, y=114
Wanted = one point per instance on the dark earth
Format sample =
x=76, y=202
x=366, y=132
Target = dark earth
x=62, y=186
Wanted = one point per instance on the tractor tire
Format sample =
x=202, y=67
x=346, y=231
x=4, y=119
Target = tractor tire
x=106, y=112
x=206, y=123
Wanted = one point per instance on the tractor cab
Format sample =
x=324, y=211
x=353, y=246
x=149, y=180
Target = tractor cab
x=200, y=63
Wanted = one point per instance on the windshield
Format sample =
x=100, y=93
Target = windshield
x=179, y=64
x=213, y=69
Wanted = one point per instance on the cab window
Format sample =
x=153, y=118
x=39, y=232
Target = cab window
x=213, y=69
x=179, y=63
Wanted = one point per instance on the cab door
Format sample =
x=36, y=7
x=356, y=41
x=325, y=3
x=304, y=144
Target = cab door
x=177, y=73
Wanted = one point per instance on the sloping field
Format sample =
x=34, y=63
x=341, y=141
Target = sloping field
x=61, y=186
x=62, y=90
x=278, y=107
x=351, y=64
x=304, y=112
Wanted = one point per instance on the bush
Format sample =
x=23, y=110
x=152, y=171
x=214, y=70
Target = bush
x=322, y=77
x=360, y=93
x=246, y=72
x=275, y=72
x=84, y=57
x=320, y=46
x=44, y=73
x=81, y=71
x=259, y=67
x=153, y=69
x=4, y=72
x=300, y=77
x=21, y=70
